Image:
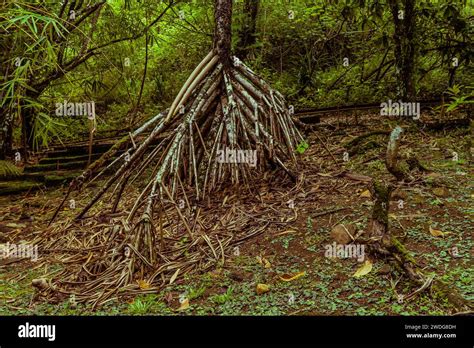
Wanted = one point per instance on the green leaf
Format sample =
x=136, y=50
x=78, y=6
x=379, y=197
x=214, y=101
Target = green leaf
x=302, y=147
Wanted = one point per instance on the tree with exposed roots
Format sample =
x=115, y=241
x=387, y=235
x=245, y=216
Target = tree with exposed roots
x=222, y=105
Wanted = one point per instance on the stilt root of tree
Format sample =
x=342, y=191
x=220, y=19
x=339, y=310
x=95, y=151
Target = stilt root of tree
x=218, y=109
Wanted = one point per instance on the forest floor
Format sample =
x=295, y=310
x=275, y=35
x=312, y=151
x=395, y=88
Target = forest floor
x=435, y=221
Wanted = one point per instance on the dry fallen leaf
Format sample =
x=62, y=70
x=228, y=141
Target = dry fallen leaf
x=290, y=277
x=285, y=232
x=169, y=298
x=264, y=262
x=262, y=288
x=184, y=305
x=441, y=192
x=437, y=233
x=175, y=275
x=364, y=269
x=14, y=225
x=143, y=284
x=366, y=194
x=325, y=175
x=40, y=283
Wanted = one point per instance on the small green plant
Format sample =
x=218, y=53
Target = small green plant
x=302, y=147
x=285, y=241
x=436, y=202
x=140, y=306
x=223, y=298
x=457, y=100
x=196, y=293
x=8, y=170
x=309, y=224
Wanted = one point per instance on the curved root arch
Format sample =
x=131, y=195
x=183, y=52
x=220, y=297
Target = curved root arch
x=218, y=114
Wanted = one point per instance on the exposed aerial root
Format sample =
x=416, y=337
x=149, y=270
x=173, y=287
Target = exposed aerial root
x=218, y=111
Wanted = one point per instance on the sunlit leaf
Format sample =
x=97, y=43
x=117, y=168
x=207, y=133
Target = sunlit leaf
x=291, y=277
x=364, y=269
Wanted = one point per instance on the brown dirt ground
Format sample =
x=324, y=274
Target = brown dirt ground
x=294, y=239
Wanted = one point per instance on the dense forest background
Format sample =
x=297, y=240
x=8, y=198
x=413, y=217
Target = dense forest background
x=236, y=157
x=131, y=56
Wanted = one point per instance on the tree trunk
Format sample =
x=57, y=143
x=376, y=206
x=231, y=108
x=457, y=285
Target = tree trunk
x=223, y=31
x=452, y=74
x=6, y=114
x=408, y=72
x=6, y=127
x=28, y=122
x=403, y=37
x=247, y=36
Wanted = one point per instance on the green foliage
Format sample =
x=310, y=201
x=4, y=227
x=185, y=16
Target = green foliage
x=194, y=293
x=301, y=55
x=458, y=100
x=222, y=298
x=8, y=170
x=302, y=147
x=141, y=305
x=47, y=128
